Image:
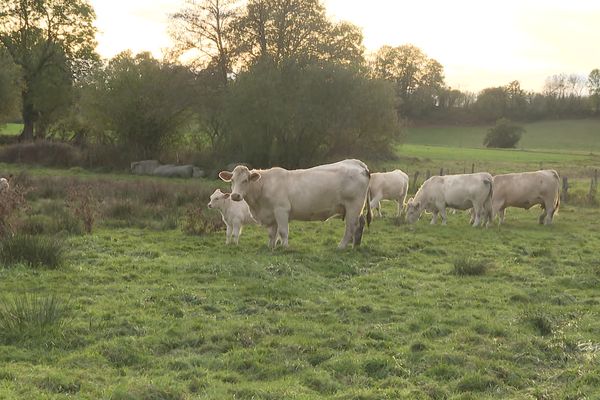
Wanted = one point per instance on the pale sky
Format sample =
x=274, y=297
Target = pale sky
x=480, y=43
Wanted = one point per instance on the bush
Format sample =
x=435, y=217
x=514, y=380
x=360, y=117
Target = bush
x=45, y=153
x=34, y=251
x=11, y=201
x=504, y=135
x=84, y=205
x=26, y=316
x=199, y=221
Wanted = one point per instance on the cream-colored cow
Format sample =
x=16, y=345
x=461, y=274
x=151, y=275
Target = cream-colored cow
x=391, y=185
x=277, y=195
x=460, y=192
x=526, y=189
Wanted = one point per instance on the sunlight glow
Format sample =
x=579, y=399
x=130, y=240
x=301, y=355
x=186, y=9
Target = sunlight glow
x=480, y=44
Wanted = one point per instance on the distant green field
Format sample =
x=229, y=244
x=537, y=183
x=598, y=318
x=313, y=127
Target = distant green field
x=11, y=129
x=577, y=135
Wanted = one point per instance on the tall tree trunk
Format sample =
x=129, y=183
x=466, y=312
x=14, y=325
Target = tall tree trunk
x=28, y=112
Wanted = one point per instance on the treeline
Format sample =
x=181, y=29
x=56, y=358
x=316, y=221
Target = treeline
x=266, y=82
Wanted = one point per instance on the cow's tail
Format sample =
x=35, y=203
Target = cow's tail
x=369, y=211
x=557, y=199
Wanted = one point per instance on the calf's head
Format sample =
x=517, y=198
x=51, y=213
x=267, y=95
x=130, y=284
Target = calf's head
x=217, y=199
x=413, y=211
x=241, y=178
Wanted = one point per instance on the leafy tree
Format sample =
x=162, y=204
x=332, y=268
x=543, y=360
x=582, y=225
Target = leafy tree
x=47, y=39
x=280, y=30
x=419, y=80
x=491, y=104
x=593, y=84
x=9, y=87
x=139, y=103
x=504, y=135
x=295, y=114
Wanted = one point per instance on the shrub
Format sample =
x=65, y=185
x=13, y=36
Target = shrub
x=46, y=153
x=34, y=251
x=84, y=206
x=26, y=316
x=11, y=201
x=504, y=135
x=200, y=221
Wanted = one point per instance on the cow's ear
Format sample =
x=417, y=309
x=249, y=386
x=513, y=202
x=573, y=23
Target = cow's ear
x=254, y=176
x=225, y=176
x=226, y=195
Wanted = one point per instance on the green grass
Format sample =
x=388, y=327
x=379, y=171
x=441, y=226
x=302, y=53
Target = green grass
x=563, y=135
x=11, y=129
x=156, y=313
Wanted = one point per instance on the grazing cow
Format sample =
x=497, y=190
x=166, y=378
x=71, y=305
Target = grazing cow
x=388, y=186
x=460, y=192
x=3, y=184
x=234, y=213
x=277, y=195
x=526, y=189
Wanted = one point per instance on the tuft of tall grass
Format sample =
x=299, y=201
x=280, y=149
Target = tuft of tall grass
x=25, y=316
x=200, y=221
x=34, y=251
x=468, y=266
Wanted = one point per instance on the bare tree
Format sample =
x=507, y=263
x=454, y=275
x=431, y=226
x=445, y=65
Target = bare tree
x=202, y=34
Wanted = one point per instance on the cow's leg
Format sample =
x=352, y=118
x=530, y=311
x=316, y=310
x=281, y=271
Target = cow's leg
x=477, y=217
x=272, y=235
x=359, y=231
x=237, y=229
x=353, y=212
x=548, y=212
x=443, y=214
x=501, y=214
x=434, y=217
x=375, y=203
x=228, y=234
x=281, y=217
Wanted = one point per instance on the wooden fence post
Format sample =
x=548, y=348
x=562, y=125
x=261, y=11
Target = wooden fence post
x=593, y=189
x=473, y=168
x=442, y=171
x=414, y=182
x=564, y=193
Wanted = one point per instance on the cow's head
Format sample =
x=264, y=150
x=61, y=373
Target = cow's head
x=240, y=179
x=413, y=211
x=217, y=199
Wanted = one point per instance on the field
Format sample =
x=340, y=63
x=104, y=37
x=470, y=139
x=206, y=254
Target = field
x=418, y=312
x=11, y=129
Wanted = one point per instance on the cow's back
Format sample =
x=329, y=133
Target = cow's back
x=526, y=188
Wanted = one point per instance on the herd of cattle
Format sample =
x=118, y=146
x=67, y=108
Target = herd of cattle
x=274, y=196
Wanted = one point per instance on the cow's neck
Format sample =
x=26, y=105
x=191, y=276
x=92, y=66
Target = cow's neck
x=253, y=194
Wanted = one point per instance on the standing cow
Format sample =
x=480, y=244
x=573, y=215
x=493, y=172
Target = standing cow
x=460, y=192
x=234, y=213
x=526, y=189
x=277, y=195
x=388, y=186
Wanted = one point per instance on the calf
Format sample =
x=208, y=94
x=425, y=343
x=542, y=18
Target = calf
x=235, y=214
x=460, y=192
x=388, y=186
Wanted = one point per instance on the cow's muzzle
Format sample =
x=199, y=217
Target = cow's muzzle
x=236, y=197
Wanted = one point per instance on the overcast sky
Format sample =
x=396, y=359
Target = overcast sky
x=479, y=43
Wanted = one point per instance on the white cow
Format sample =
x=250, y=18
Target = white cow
x=3, y=184
x=277, y=195
x=235, y=214
x=526, y=189
x=456, y=191
x=388, y=186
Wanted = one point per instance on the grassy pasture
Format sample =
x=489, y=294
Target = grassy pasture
x=563, y=135
x=417, y=312
x=11, y=129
